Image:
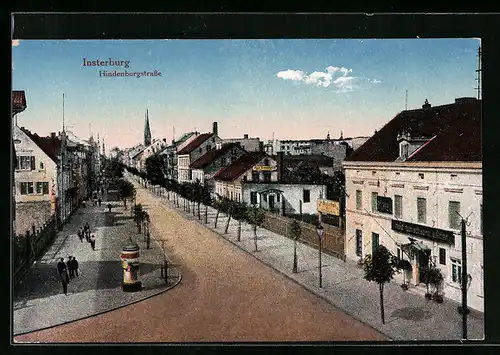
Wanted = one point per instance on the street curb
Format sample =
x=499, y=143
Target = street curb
x=179, y=279
x=306, y=287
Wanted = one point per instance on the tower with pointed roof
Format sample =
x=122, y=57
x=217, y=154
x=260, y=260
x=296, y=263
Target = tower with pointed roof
x=147, y=131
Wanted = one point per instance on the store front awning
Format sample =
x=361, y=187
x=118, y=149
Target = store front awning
x=414, y=247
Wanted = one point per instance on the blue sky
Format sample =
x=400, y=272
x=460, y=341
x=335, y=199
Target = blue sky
x=294, y=88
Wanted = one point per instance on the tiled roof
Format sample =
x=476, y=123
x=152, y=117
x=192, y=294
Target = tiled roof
x=194, y=144
x=18, y=101
x=50, y=146
x=213, y=154
x=240, y=166
x=456, y=127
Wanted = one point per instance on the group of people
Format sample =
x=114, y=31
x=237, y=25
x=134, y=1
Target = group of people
x=84, y=232
x=67, y=271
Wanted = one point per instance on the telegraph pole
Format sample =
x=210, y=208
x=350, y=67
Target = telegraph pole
x=478, y=71
x=464, y=281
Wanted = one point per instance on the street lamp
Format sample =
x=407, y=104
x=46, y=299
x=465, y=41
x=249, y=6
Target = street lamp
x=320, y=231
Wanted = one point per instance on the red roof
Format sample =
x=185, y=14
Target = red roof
x=240, y=166
x=195, y=143
x=456, y=129
x=214, y=154
x=18, y=101
x=50, y=145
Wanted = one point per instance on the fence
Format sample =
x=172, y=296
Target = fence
x=27, y=248
x=333, y=238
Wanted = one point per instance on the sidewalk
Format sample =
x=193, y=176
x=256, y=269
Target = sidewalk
x=409, y=316
x=39, y=301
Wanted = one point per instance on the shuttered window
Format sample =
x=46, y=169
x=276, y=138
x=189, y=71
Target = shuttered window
x=398, y=206
x=421, y=210
x=359, y=200
x=374, y=201
x=453, y=214
x=33, y=166
x=442, y=256
x=375, y=242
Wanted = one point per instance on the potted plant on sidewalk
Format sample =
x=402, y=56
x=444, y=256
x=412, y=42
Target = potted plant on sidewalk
x=436, y=280
x=404, y=266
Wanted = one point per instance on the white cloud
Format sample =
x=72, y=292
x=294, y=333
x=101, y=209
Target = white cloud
x=15, y=42
x=337, y=77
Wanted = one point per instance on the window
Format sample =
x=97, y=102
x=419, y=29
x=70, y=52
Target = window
x=420, y=175
x=200, y=150
x=25, y=163
x=231, y=195
x=374, y=201
x=39, y=187
x=398, y=253
x=359, y=200
x=255, y=176
x=374, y=172
x=42, y=166
x=359, y=243
x=306, y=196
x=481, y=218
x=267, y=176
x=453, y=211
x=30, y=188
x=24, y=188
x=421, y=210
x=32, y=163
x=264, y=197
x=398, y=206
x=405, y=151
x=278, y=197
x=442, y=256
x=253, y=198
x=266, y=162
x=456, y=271
x=375, y=242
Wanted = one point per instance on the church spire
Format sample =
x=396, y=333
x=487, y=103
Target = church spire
x=147, y=131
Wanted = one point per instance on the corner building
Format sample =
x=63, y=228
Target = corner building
x=407, y=187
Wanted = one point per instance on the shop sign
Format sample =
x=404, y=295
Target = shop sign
x=418, y=230
x=329, y=207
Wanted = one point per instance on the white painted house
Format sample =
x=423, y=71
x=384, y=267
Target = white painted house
x=35, y=179
x=405, y=186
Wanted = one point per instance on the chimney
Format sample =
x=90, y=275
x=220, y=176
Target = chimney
x=245, y=136
x=280, y=166
x=215, y=130
x=426, y=104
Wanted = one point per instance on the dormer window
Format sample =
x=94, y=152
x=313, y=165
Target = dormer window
x=405, y=151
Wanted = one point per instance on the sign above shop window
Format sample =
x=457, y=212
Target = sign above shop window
x=328, y=207
x=264, y=168
x=418, y=230
x=384, y=204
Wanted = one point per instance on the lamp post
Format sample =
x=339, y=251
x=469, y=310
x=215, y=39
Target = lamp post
x=319, y=232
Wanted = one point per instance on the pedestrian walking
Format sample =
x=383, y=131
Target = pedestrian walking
x=109, y=207
x=80, y=234
x=63, y=274
x=99, y=201
x=92, y=242
x=69, y=265
x=75, y=266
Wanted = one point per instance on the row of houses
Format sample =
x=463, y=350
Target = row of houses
x=239, y=169
x=52, y=174
x=407, y=187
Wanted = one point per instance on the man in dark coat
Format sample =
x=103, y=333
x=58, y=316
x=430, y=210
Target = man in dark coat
x=92, y=242
x=75, y=266
x=63, y=274
x=69, y=265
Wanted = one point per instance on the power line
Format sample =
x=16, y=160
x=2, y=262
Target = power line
x=479, y=73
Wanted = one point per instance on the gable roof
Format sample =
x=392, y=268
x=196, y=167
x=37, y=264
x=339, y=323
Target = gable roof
x=214, y=154
x=240, y=166
x=195, y=143
x=138, y=151
x=49, y=145
x=456, y=128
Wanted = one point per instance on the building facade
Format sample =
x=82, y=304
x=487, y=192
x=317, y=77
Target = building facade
x=249, y=144
x=408, y=187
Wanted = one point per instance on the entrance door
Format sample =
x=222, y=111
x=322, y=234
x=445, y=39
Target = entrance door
x=359, y=243
x=375, y=242
x=423, y=262
x=271, y=202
